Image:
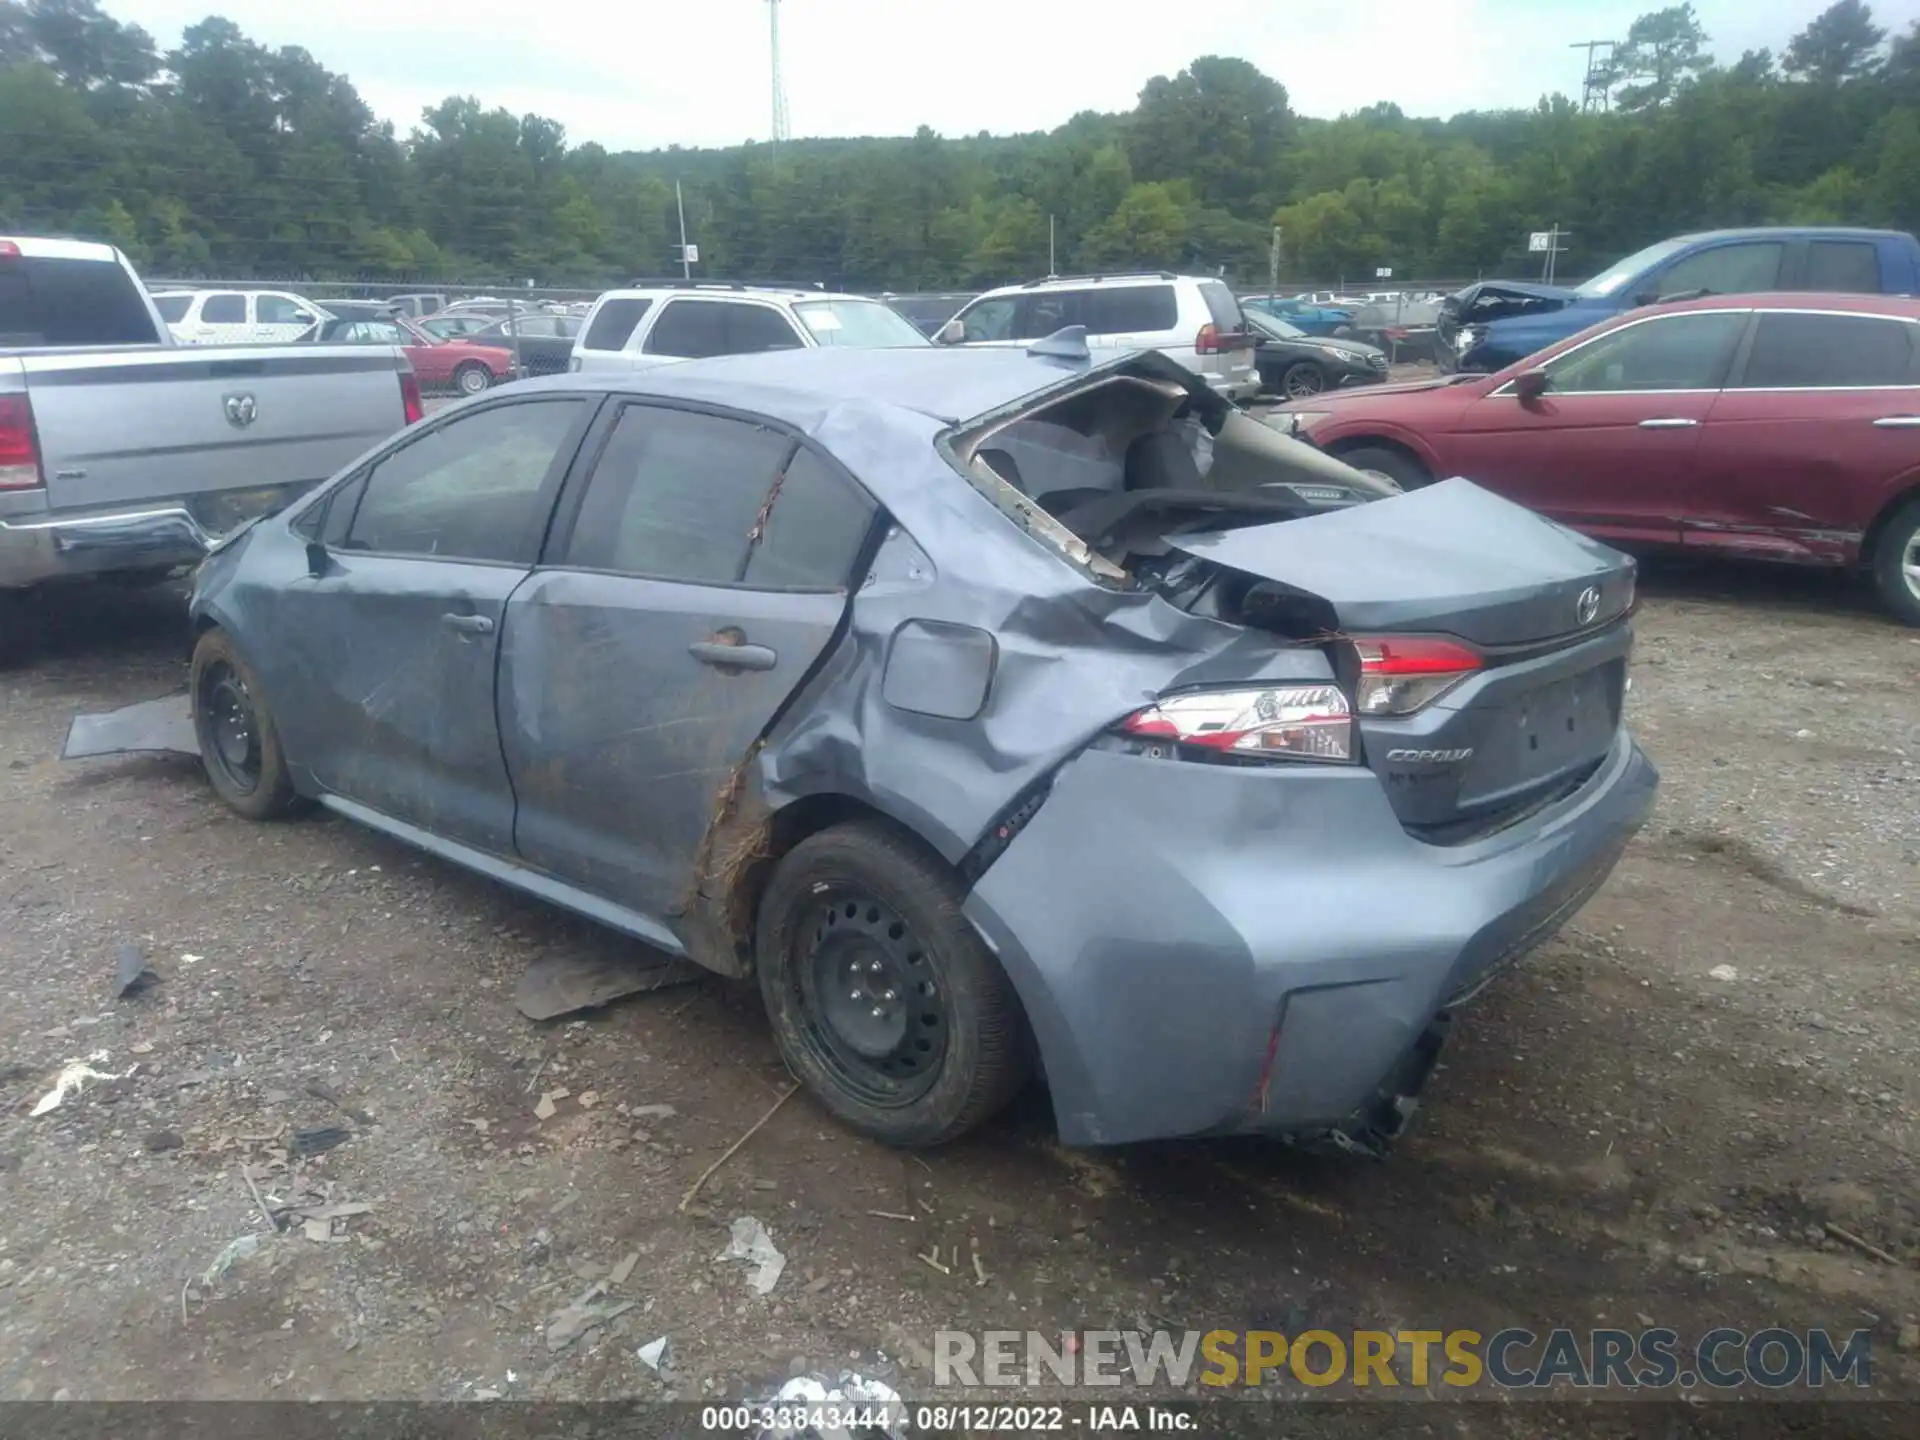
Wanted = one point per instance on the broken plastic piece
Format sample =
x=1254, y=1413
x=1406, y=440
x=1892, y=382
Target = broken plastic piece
x=73, y=1076
x=555, y=985
x=163, y=725
x=750, y=1242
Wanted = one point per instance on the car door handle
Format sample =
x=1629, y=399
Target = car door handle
x=1668, y=422
x=733, y=657
x=1898, y=422
x=468, y=624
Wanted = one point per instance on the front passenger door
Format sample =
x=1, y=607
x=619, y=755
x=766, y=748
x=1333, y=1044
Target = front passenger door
x=704, y=570
x=386, y=688
x=1609, y=448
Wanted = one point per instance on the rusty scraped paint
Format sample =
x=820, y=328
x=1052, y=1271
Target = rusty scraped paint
x=739, y=836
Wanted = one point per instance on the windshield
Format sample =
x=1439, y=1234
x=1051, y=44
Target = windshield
x=1638, y=263
x=857, y=324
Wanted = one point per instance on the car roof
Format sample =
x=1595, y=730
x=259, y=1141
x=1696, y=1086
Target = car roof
x=1081, y=282
x=732, y=292
x=1764, y=232
x=798, y=386
x=1905, y=307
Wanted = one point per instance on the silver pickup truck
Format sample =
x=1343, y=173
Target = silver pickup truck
x=122, y=454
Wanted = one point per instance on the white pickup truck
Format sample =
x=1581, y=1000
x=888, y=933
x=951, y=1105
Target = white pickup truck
x=123, y=454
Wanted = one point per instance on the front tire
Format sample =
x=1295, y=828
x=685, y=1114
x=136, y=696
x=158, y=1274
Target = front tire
x=883, y=1000
x=1896, y=564
x=1303, y=380
x=1396, y=465
x=472, y=378
x=239, y=744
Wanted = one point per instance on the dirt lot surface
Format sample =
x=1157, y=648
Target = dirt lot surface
x=1655, y=1120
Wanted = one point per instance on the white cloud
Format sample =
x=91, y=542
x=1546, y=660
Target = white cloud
x=647, y=73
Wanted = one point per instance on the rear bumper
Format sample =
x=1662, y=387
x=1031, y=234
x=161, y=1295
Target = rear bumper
x=1204, y=949
x=38, y=545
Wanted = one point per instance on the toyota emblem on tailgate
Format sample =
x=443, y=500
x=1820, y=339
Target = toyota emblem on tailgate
x=1585, y=610
x=243, y=410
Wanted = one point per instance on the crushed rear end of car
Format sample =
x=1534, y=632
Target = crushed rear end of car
x=1253, y=899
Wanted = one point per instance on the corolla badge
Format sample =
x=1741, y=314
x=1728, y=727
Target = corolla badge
x=1587, y=608
x=242, y=410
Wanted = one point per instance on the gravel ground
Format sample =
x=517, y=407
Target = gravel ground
x=1619, y=1135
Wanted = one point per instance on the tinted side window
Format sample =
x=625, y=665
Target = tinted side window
x=1849, y=266
x=753, y=328
x=689, y=329
x=613, y=326
x=224, y=310
x=1222, y=305
x=814, y=531
x=675, y=495
x=172, y=308
x=1051, y=310
x=1725, y=270
x=1808, y=351
x=469, y=490
x=1129, y=308
x=1683, y=352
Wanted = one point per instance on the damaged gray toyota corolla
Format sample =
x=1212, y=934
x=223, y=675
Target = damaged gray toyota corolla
x=991, y=709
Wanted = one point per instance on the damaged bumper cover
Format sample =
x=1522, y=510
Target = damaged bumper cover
x=1214, y=950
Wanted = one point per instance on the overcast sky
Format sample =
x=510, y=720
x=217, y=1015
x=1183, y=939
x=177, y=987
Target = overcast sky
x=639, y=74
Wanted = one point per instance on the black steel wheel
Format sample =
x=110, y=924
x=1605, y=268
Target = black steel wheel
x=239, y=745
x=874, y=1013
x=883, y=1000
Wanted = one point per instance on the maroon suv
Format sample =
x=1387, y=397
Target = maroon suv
x=1781, y=427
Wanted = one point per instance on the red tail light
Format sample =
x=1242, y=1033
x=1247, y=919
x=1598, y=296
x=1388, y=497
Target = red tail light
x=9, y=250
x=410, y=396
x=1208, y=341
x=1400, y=675
x=19, y=447
x=1279, y=722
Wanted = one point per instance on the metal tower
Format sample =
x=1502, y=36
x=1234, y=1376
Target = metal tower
x=779, y=86
x=1599, y=77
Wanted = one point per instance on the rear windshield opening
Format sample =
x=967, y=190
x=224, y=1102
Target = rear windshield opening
x=1106, y=474
x=54, y=302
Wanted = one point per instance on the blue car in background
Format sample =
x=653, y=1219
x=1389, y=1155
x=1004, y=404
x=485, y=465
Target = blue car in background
x=1302, y=314
x=1495, y=323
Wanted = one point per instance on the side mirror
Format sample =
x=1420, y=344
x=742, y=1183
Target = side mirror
x=318, y=561
x=1530, y=385
x=951, y=333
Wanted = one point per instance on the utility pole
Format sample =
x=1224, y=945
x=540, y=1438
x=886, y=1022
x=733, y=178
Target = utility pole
x=1273, y=266
x=1053, y=268
x=1599, y=77
x=686, y=255
x=779, y=86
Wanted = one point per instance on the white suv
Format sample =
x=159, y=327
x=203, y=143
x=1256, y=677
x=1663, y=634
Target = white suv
x=634, y=329
x=1195, y=321
x=236, y=317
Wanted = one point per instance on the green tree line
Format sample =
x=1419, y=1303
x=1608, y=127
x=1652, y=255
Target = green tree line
x=226, y=157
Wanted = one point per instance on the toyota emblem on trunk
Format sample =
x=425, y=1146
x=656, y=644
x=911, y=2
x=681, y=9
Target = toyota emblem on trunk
x=1587, y=608
x=242, y=410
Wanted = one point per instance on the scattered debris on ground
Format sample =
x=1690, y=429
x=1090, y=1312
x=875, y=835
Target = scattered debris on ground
x=748, y=1240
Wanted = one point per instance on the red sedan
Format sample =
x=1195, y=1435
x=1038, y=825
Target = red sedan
x=440, y=364
x=1782, y=427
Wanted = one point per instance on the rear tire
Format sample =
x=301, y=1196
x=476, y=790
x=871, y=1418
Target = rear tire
x=472, y=378
x=1896, y=564
x=1396, y=465
x=883, y=1000
x=239, y=745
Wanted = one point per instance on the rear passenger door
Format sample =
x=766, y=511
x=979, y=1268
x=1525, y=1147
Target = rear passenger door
x=699, y=568
x=1819, y=425
x=689, y=329
x=221, y=319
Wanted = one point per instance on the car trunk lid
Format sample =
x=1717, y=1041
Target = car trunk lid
x=1539, y=613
